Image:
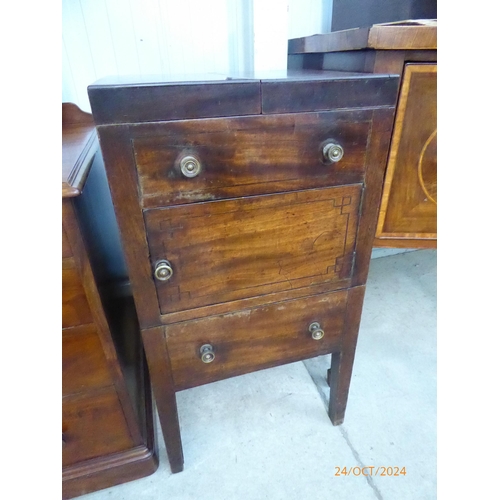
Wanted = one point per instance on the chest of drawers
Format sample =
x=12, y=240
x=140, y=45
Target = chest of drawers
x=107, y=429
x=247, y=209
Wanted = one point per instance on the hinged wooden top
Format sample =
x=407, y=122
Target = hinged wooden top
x=152, y=99
x=413, y=34
x=79, y=145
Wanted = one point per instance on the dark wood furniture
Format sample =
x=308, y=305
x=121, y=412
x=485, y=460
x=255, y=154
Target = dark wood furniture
x=247, y=209
x=363, y=13
x=408, y=213
x=107, y=435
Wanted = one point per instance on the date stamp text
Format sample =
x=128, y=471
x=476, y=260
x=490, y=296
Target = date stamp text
x=370, y=470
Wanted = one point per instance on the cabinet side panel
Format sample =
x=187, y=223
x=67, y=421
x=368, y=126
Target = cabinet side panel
x=122, y=177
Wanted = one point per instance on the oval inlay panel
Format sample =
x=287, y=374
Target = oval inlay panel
x=427, y=167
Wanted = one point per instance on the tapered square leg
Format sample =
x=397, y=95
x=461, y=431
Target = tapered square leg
x=343, y=360
x=163, y=388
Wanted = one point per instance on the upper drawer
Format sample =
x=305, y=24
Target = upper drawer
x=248, y=156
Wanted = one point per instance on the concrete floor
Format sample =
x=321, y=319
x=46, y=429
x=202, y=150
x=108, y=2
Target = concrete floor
x=266, y=435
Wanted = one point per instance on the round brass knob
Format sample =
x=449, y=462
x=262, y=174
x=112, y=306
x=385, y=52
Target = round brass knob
x=190, y=166
x=163, y=270
x=316, y=331
x=333, y=152
x=207, y=353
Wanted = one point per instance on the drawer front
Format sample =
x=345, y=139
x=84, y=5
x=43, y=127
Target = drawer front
x=75, y=307
x=84, y=365
x=235, y=249
x=254, y=339
x=248, y=156
x=93, y=426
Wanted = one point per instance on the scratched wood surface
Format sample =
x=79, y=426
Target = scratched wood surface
x=93, y=425
x=254, y=339
x=246, y=156
x=228, y=250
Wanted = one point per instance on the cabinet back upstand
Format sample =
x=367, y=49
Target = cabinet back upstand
x=247, y=209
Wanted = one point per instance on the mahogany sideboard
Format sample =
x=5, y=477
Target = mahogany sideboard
x=107, y=429
x=408, y=213
x=247, y=207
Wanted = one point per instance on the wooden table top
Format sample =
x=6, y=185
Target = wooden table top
x=412, y=34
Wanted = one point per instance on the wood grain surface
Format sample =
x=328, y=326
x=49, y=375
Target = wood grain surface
x=254, y=339
x=104, y=443
x=84, y=366
x=233, y=249
x=390, y=36
x=79, y=145
x=93, y=425
x=164, y=391
x=264, y=241
x=248, y=156
x=409, y=202
x=343, y=360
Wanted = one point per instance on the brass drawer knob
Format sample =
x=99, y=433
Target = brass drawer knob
x=163, y=270
x=333, y=152
x=190, y=166
x=316, y=331
x=207, y=353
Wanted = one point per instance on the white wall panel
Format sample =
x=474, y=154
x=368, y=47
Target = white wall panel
x=122, y=34
x=99, y=37
x=69, y=92
x=240, y=35
x=146, y=26
x=79, y=56
x=309, y=17
x=270, y=30
x=172, y=37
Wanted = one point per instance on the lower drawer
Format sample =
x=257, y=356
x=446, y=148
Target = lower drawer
x=84, y=364
x=93, y=425
x=254, y=339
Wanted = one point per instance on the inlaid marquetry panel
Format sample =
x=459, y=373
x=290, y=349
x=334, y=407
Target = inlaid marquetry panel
x=409, y=202
x=234, y=249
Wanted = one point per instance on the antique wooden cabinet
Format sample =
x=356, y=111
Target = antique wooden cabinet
x=107, y=434
x=247, y=208
x=408, y=213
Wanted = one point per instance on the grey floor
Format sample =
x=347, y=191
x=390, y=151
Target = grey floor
x=266, y=435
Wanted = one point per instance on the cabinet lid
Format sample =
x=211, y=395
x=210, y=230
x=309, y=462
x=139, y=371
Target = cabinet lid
x=121, y=100
x=79, y=145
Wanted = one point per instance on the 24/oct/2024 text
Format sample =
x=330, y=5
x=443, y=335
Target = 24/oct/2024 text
x=370, y=471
